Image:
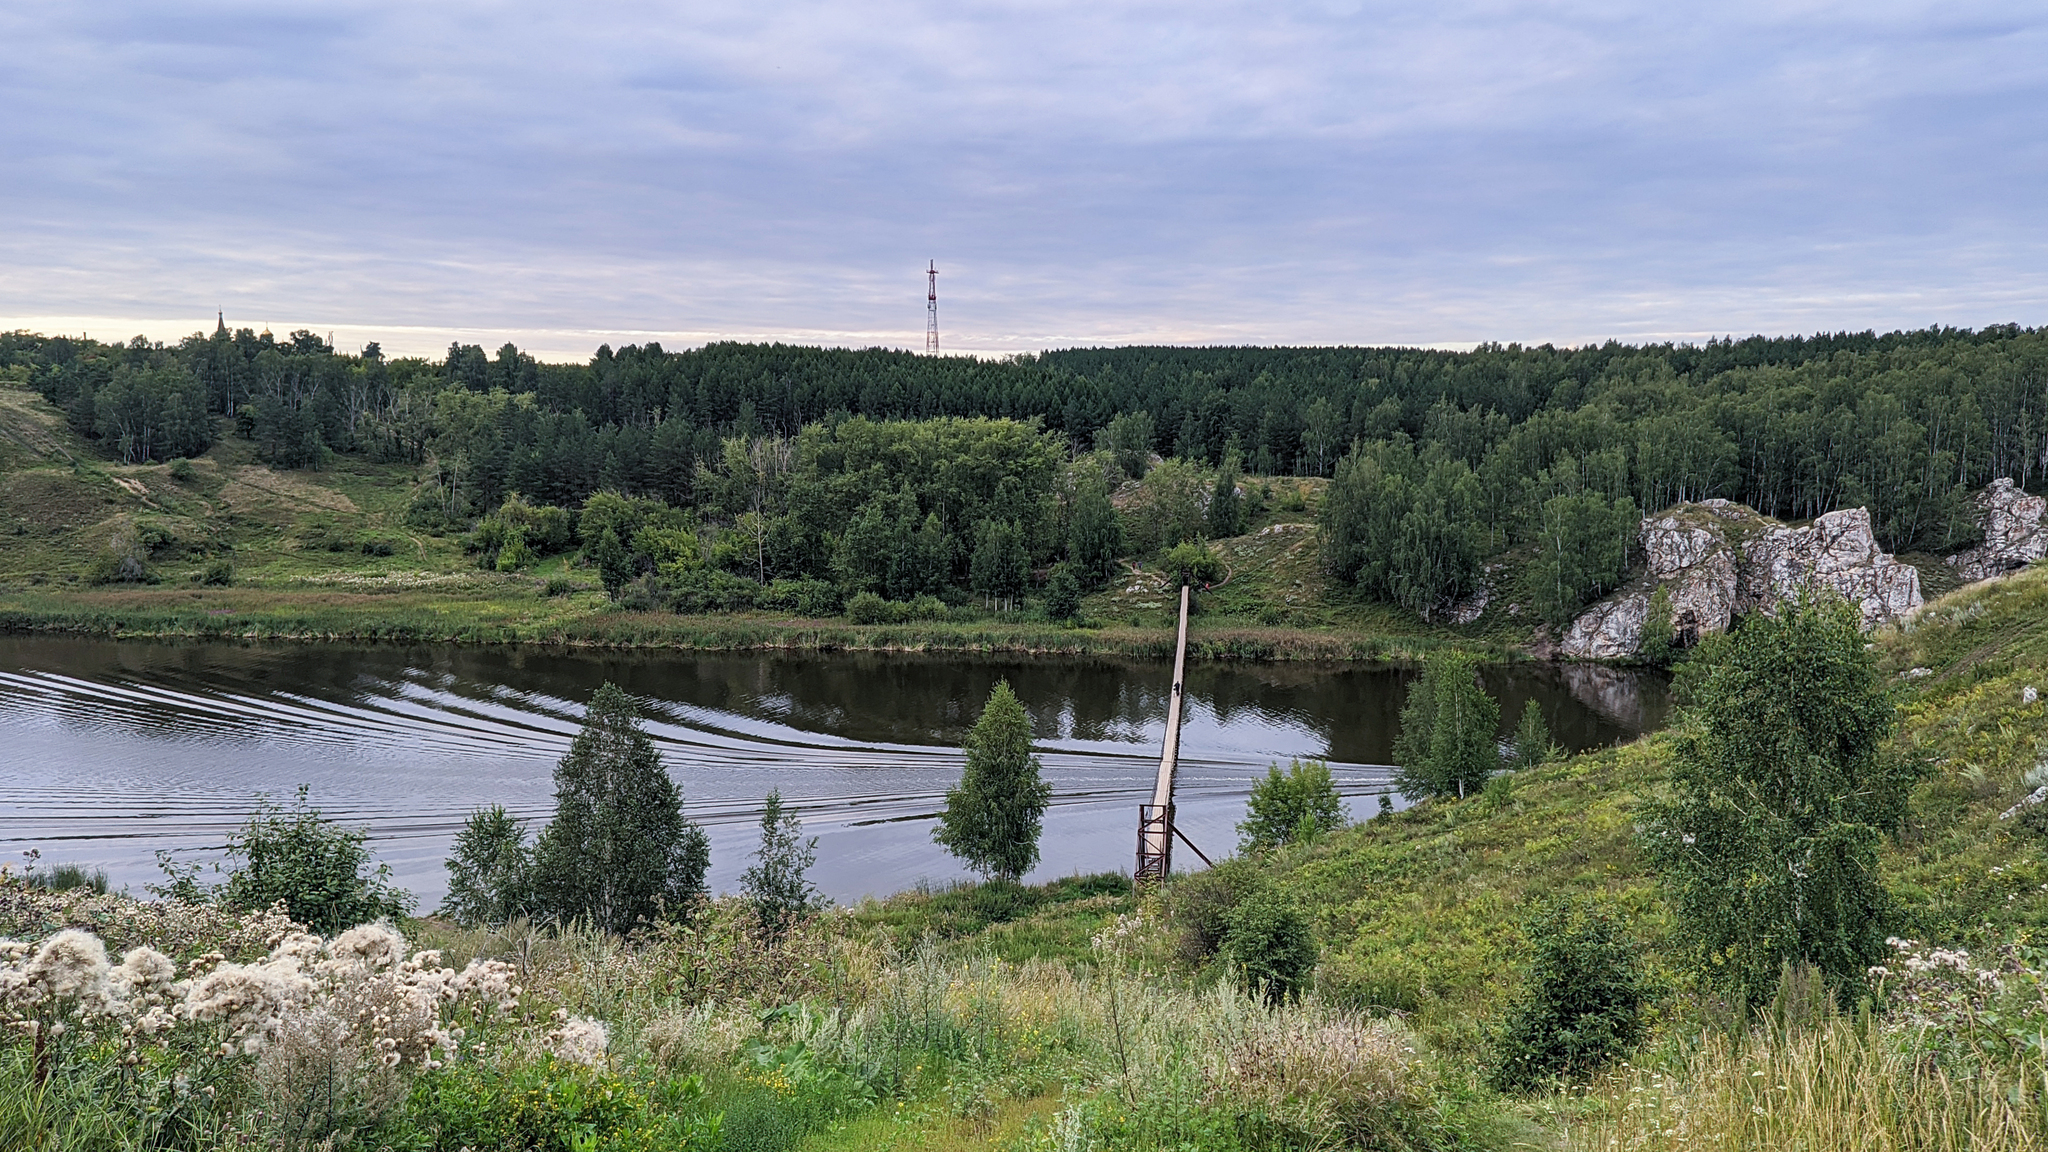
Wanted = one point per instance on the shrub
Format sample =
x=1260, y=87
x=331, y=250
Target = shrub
x=297, y=857
x=801, y=597
x=1270, y=947
x=926, y=607
x=490, y=875
x=559, y=586
x=553, y=1105
x=1582, y=1003
x=868, y=608
x=1199, y=905
x=775, y=882
x=703, y=590
x=181, y=470
x=1192, y=562
x=218, y=573
x=124, y=560
x=1285, y=809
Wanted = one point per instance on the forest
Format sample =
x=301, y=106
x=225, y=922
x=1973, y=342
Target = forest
x=725, y=472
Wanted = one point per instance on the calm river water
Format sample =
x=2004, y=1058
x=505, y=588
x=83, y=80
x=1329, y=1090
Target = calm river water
x=111, y=750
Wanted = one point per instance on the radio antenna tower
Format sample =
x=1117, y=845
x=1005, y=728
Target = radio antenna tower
x=931, y=297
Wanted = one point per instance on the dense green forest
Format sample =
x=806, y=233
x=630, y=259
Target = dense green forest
x=827, y=473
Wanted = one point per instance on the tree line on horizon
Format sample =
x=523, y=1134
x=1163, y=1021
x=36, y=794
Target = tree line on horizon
x=1439, y=460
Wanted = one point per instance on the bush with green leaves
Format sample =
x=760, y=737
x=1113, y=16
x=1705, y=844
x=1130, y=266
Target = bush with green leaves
x=320, y=872
x=1292, y=807
x=992, y=818
x=1784, y=787
x=490, y=875
x=870, y=608
x=775, y=882
x=1270, y=946
x=619, y=850
x=1192, y=562
x=552, y=1105
x=1449, y=726
x=1582, y=1004
x=1199, y=905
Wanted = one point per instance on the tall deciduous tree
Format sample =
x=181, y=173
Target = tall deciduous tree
x=992, y=819
x=1000, y=568
x=1095, y=534
x=1784, y=790
x=619, y=849
x=1449, y=726
x=1226, y=508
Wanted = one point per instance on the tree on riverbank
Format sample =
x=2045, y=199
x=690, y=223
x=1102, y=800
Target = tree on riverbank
x=619, y=849
x=1785, y=790
x=776, y=882
x=1448, y=730
x=993, y=818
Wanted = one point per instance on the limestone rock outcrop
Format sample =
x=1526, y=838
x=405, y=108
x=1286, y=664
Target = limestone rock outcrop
x=2014, y=535
x=1717, y=560
x=1836, y=552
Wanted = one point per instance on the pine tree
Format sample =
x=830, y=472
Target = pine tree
x=776, y=883
x=992, y=819
x=1448, y=730
x=1785, y=790
x=619, y=849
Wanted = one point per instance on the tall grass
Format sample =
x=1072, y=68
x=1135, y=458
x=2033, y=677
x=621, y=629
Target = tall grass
x=1839, y=1084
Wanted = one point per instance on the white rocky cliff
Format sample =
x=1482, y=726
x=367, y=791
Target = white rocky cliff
x=2014, y=536
x=1716, y=560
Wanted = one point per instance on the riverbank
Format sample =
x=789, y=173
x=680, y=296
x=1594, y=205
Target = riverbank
x=1076, y=1014
x=486, y=608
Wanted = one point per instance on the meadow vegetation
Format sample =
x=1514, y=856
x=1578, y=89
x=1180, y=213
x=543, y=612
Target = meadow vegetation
x=1507, y=970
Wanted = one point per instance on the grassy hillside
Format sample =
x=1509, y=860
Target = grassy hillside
x=328, y=554
x=1423, y=908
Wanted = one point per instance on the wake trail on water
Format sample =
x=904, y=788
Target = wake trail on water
x=104, y=770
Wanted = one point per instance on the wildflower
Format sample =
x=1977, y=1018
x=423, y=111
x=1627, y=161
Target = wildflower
x=145, y=975
x=367, y=946
x=579, y=1039
x=69, y=964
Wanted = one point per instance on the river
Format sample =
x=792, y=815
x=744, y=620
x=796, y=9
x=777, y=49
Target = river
x=112, y=750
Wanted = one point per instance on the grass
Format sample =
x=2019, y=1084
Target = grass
x=1842, y=1084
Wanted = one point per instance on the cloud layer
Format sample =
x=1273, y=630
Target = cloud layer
x=1082, y=172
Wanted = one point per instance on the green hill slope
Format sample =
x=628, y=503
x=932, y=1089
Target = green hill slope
x=1422, y=908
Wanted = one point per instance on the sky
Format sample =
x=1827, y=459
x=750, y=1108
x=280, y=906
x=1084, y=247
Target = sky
x=1085, y=173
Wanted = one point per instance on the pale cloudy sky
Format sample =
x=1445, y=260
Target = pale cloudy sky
x=1083, y=173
